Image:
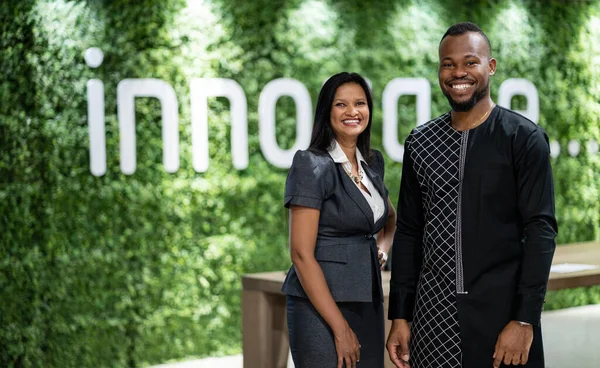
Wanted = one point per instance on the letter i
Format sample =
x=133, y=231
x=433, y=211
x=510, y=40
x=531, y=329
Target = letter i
x=96, y=120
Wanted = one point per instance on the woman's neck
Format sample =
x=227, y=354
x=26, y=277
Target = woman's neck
x=349, y=149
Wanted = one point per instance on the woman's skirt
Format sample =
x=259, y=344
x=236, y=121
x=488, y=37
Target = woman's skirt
x=312, y=342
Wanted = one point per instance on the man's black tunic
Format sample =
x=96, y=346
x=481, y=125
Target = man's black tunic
x=475, y=238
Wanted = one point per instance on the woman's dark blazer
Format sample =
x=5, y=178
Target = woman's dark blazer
x=345, y=249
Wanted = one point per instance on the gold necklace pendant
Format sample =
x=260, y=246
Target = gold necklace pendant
x=482, y=119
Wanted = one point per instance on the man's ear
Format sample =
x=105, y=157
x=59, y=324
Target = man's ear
x=492, y=66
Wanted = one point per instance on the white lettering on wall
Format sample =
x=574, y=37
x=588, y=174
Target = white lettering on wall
x=200, y=90
x=516, y=86
x=96, y=122
x=395, y=88
x=96, y=119
x=266, y=116
x=203, y=88
x=127, y=91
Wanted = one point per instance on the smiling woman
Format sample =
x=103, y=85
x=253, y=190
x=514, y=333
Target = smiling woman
x=341, y=226
x=350, y=113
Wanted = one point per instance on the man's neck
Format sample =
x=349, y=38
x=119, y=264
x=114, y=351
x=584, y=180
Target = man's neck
x=464, y=120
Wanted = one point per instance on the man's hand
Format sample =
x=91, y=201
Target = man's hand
x=397, y=343
x=513, y=344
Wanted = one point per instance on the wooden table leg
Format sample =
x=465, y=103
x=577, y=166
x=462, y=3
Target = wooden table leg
x=280, y=332
x=264, y=330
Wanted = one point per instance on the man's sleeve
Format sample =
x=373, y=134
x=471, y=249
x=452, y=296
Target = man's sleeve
x=536, y=206
x=406, y=248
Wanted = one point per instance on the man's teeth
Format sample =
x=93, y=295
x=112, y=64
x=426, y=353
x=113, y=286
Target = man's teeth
x=461, y=87
x=353, y=121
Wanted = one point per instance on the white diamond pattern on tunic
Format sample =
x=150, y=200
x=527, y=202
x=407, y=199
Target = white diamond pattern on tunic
x=435, y=149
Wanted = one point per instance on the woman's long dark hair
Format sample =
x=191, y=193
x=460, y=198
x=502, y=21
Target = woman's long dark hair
x=322, y=133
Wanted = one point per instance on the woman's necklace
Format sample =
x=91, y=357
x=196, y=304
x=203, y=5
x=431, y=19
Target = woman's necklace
x=355, y=178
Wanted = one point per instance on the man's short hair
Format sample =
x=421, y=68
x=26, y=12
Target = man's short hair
x=465, y=27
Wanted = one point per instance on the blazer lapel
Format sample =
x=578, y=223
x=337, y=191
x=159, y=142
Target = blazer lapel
x=376, y=180
x=378, y=183
x=355, y=194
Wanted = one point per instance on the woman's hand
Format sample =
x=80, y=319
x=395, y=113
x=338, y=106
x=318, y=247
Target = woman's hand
x=385, y=236
x=347, y=347
x=383, y=257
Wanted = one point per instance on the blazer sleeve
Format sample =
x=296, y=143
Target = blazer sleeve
x=536, y=208
x=306, y=183
x=407, y=245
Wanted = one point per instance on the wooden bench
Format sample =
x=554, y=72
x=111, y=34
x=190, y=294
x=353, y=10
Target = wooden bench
x=264, y=329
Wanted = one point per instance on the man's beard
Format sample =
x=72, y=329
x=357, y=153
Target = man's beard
x=470, y=103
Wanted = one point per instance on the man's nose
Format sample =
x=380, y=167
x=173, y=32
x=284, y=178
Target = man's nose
x=459, y=72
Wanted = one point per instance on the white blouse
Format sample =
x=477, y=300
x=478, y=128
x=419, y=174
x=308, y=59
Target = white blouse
x=374, y=198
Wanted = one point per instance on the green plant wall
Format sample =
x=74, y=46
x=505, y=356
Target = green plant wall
x=131, y=270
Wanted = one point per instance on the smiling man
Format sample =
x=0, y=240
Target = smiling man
x=475, y=230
